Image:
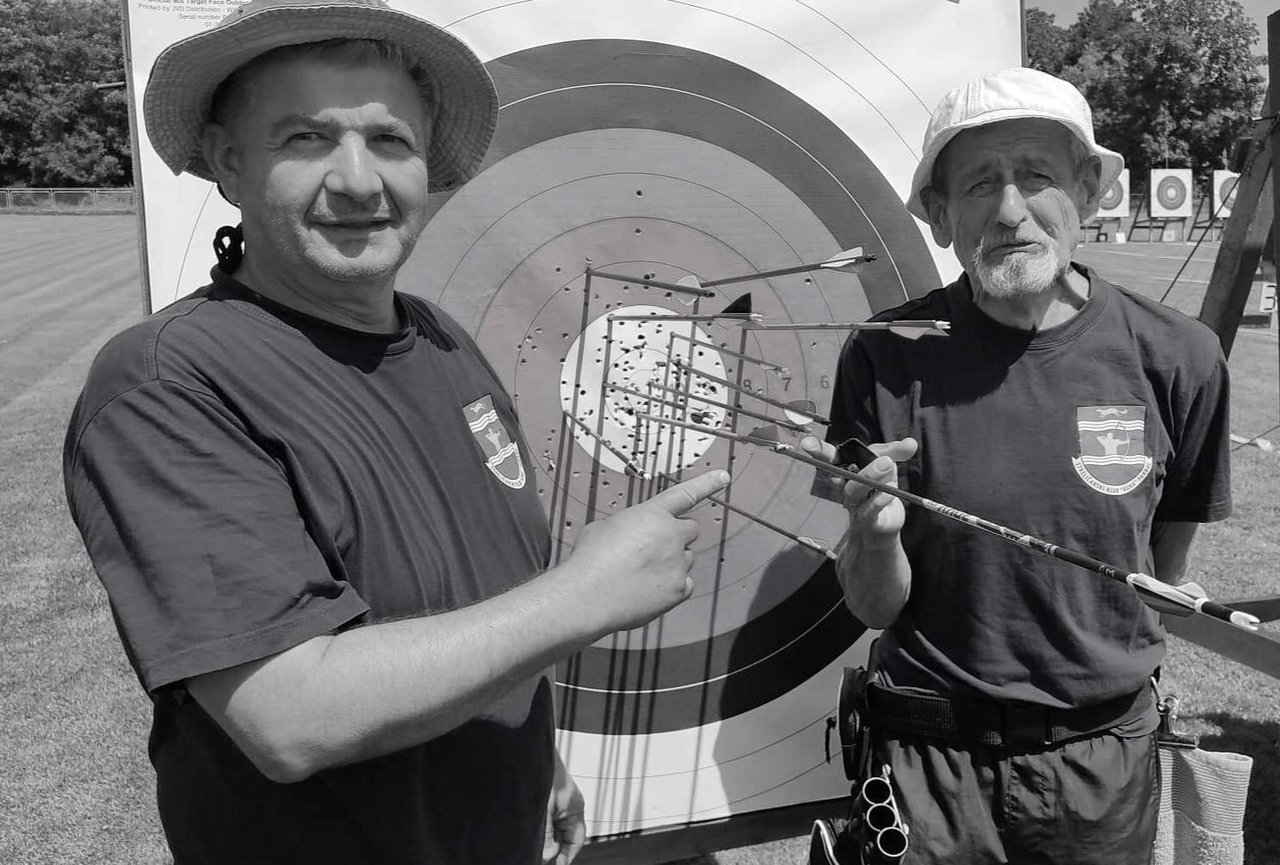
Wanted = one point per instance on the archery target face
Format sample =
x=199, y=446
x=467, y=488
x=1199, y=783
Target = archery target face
x=655, y=162
x=1224, y=192
x=1171, y=192
x=1115, y=201
x=660, y=140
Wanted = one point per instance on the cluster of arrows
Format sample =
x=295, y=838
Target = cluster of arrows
x=675, y=393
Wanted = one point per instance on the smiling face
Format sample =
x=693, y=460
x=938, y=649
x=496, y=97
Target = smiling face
x=327, y=160
x=1009, y=196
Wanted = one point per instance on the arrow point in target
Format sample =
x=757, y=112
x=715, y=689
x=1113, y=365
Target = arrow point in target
x=690, y=281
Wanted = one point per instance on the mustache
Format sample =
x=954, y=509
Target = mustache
x=988, y=242
x=378, y=208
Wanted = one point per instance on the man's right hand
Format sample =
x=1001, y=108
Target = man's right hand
x=634, y=566
x=874, y=516
x=872, y=568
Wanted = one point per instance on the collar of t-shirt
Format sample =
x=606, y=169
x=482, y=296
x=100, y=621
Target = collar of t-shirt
x=227, y=287
x=967, y=314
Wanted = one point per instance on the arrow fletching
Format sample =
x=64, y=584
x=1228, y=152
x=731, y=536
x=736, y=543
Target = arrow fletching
x=917, y=329
x=766, y=435
x=742, y=305
x=801, y=411
x=848, y=261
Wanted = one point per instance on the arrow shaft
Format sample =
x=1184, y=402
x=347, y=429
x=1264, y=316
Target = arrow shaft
x=850, y=325
x=654, y=283
x=785, y=271
x=724, y=405
x=807, y=542
x=721, y=316
x=722, y=350
x=737, y=388
x=626, y=460
x=1136, y=581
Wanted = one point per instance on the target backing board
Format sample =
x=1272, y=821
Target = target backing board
x=657, y=140
x=1171, y=193
x=1224, y=192
x=1115, y=200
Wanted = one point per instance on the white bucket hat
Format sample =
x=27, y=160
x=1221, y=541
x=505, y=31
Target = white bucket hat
x=1010, y=94
x=186, y=74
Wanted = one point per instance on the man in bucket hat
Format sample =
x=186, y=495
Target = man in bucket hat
x=307, y=494
x=1010, y=692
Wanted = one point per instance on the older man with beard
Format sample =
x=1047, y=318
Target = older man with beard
x=1010, y=693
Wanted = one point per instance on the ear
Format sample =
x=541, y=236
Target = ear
x=223, y=157
x=936, y=206
x=1091, y=182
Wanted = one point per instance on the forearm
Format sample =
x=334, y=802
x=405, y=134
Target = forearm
x=876, y=578
x=373, y=690
x=1171, y=550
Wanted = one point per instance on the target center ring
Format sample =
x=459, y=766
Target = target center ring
x=619, y=369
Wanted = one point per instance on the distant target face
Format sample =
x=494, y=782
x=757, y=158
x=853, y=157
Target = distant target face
x=1227, y=192
x=1171, y=192
x=1112, y=197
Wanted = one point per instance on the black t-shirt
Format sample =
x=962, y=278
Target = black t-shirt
x=1082, y=435
x=247, y=477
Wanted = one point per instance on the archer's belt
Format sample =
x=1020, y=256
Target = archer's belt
x=1008, y=725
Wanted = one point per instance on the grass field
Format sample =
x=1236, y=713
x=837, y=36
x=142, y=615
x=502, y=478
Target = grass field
x=77, y=787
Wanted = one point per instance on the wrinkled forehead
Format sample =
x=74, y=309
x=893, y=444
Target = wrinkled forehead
x=1026, y=141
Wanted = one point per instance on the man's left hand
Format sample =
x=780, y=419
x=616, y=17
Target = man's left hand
x=566, y=828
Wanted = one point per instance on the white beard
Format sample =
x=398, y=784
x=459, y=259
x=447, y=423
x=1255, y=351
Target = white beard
x=1018, y=274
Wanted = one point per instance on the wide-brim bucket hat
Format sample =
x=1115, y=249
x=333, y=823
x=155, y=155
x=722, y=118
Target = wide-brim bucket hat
x=183, y=80
x=1010, y=94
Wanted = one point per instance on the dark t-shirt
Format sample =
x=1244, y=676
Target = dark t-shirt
x=246, y=478
x=1082, y=435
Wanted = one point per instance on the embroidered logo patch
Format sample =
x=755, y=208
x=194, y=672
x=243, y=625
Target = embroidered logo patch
x=1113, y=453
x=502, y=455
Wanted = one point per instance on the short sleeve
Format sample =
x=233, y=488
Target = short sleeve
x=1197, y=485
x=852, y=411
x=195, y=532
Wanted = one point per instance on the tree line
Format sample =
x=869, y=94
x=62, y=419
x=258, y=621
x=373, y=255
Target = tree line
x=59, y=124
x=1171, y=82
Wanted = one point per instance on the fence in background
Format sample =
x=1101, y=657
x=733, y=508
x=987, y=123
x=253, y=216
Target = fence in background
x=53, y=200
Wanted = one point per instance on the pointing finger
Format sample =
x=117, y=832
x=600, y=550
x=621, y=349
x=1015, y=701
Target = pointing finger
x=684, y=496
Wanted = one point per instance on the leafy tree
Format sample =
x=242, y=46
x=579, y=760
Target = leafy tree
x=1047, y=43
x=57, y=126
x=1170, y=81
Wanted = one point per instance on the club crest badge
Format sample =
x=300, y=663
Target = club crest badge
x=1113, y=453
x=502, y=454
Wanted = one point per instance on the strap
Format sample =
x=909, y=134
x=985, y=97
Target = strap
x=1006, y=725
